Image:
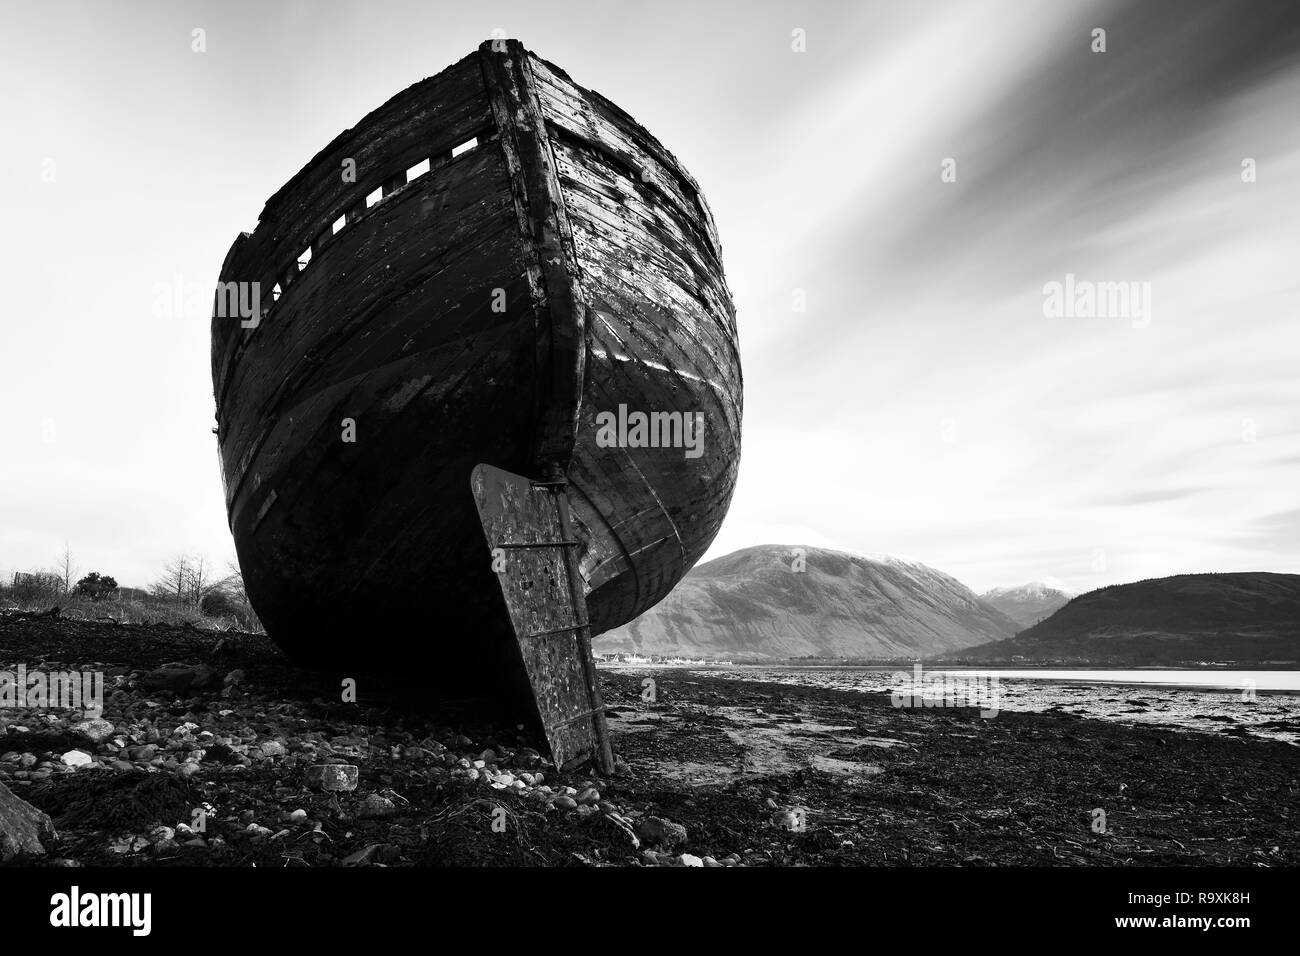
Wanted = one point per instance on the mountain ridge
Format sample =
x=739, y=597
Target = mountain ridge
x=1242, y=616
x=1027, y=604
x=777, y=602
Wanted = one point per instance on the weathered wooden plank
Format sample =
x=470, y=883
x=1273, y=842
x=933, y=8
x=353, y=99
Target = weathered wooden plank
x=469, y=185
x=544, y=599
x=547, y=240
x=428, y=271
x=387, y=141
x=588, y=117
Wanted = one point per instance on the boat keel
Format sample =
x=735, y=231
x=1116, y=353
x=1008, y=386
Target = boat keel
x=533, y=552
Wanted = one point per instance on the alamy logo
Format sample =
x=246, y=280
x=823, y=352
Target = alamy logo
x=74, y=909
x=940, y=689
x=1084, y=299
x=179, y=299
x=241, y=300
x=626, y=429
x=61, y=690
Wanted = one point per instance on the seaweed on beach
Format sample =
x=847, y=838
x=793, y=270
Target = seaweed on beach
x=118, y=802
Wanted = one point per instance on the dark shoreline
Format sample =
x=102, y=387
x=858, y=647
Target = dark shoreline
x=768, y=774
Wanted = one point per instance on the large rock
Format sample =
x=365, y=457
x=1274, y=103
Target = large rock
x=96, y=730
x=333, y=776
x=656, y=831
x=180, y=678
x=22, y=827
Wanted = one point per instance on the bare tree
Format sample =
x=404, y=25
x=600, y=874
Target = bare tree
x=199, y=583
x=174, y=580
x=66, y=569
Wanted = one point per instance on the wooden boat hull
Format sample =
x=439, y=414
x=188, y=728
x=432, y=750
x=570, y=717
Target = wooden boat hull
x=486, y=312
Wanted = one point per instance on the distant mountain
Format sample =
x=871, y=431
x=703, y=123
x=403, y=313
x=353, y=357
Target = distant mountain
x=1027, y=604
x=1248, y=617
x=753, y=605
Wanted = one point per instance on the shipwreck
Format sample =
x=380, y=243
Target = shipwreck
x=454, y=295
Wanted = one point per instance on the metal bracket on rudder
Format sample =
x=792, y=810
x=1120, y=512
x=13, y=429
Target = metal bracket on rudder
x=530, y=537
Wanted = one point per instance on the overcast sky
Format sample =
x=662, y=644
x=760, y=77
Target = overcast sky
x=923, y=404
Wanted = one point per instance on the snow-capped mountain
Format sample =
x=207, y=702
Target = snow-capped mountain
x=1029, y=603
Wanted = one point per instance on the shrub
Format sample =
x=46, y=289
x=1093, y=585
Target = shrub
x=219, y=604
x=96, y=587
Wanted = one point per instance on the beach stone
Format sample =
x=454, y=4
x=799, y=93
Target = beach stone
x=235, y=678
x=333, y=776
x=788, y=820
x=363, y=855
x=96, y=729
x=272, y=748
x=710, y=862
x=564, y=802
x=656, y=831
x=298, y=816
x=77, y=758
x=590, y=795
x=22, y=827
x=689, y=860
x=375, y=807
